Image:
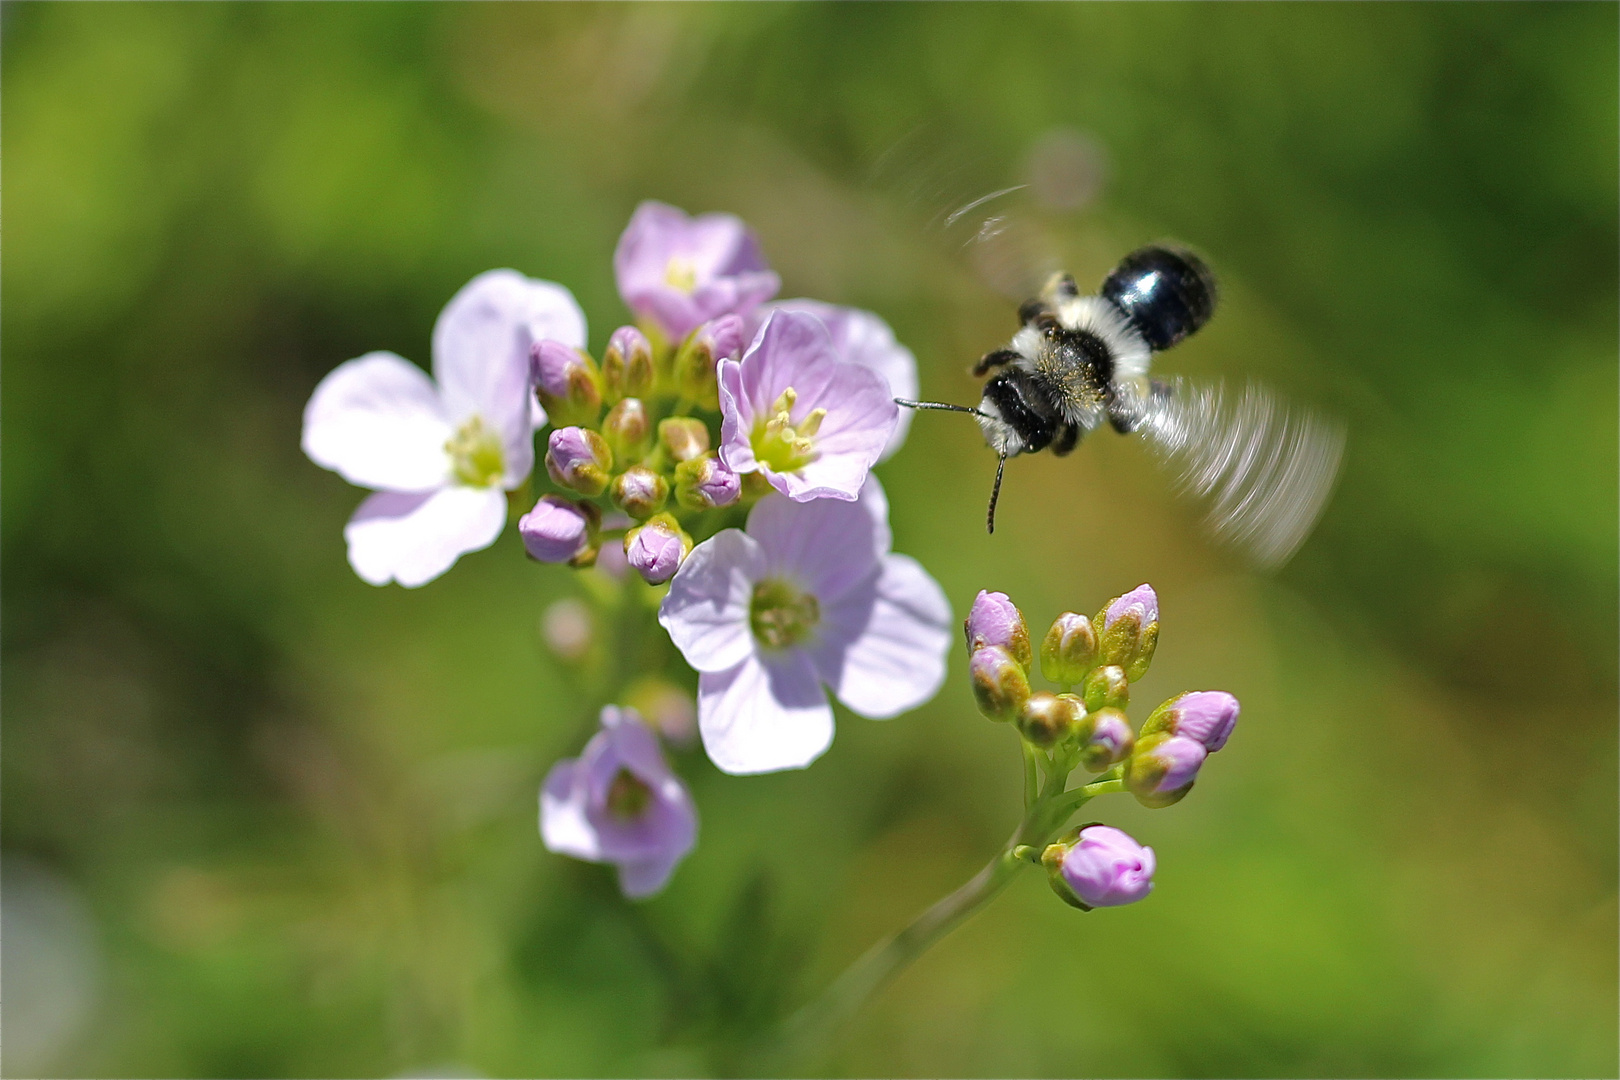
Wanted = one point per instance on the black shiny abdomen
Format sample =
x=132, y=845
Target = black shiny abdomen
x=1166, y=293
x=1026, y=407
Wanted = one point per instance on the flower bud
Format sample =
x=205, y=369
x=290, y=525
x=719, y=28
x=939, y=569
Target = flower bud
x=1107, y=688
x=999, y=684
x=1048, y=719
x=1106, y=739
x=627, y=429
x=640, y=492
x=1162, y=768
x=996, y=620
x=716, y=340
x=682, y=438
x=655, y=550
x=567, y=381
x=1069, y=649
x=1099, y=866
x=567, y=628
x=560, y=530
x=627, y=363
x=665, y=707
x=705, y=483
x=1128, y=630
x=1204, y=716
x=579, y=459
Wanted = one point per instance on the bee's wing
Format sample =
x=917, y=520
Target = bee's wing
x=1265, y=467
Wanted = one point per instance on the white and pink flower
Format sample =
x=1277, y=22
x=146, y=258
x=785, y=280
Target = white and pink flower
x=809, y=595
x=678, y=272
x=440, y=452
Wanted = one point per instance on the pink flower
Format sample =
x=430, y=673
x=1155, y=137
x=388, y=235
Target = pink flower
x=618, y=802
x=810, y=423
x=439, y=452
x=679, y=272
x=1106, y=868
x=809, y=595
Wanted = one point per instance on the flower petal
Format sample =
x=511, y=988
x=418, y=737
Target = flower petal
x=413, y=538
x=378, y=422
x=481, y=354
x=896, y=660
x=706, y=611
x=563, y=826
x=764, y=715
x=825, y=546
x=642, y=879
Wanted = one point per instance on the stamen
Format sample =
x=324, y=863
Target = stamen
x=476, y=456
x=681, y=274
x=780, y=615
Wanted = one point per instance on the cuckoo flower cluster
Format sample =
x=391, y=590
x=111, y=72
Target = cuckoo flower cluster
x=1094, y=660
x=720, y=448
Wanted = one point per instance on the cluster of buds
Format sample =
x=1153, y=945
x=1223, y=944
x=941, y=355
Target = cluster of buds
x=1094, y=660
x=628, y=441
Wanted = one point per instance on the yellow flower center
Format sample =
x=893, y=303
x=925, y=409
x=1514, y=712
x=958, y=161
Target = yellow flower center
x=781, y=443
x=681, y=274
x=475, y=452
x=780, y=615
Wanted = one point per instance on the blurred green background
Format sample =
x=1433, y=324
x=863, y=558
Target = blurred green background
x=261, y=819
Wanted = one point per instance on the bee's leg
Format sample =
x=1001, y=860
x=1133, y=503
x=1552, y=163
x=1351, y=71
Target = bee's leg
x=1068, y=437
x=1061, y=287
x=993, y=360
x=1038, y=314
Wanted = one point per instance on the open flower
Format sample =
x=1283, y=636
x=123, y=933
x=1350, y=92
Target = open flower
x=860, y=337
x=808, y=595
x=679, y=272
x=440, y=452
x=791, y=410
x=618, y=802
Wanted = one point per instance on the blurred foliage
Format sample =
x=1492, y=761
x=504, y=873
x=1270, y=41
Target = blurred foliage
x=301, y=810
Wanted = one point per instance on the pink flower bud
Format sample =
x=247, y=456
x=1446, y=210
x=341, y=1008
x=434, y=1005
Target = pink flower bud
x=1108, y=742
x=1162, y=768
x=996, y=620
x=567, y=381
x=1101, y=867
x=1129, y=631
x=558, y=530
x=705, y=483
x=640, y=492
x=656, y=549
x=579, y=459
x=999, y=684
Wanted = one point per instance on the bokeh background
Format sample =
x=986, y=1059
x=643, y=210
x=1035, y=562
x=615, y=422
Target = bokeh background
x=261, y=819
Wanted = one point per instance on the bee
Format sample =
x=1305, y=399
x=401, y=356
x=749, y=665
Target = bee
x=1079, y=362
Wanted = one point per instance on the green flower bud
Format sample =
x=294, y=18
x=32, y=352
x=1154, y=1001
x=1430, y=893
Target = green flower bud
x=682, y=438
x=627, y=364
x=639, y=492
x=567, y=381
x=1049, y=719
x=1069, y=649
x=1128, y=631
x=1105, y=739
x=1107, y=688
x=628, y=430
x=705, y=483
x=1000, y=686
x=696, y=360
x=1162, y=768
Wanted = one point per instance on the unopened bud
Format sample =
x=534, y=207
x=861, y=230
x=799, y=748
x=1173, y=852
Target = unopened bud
x=655, y=550
x=578, y=459
x=1000, y=685
x=705, y=483
x=1107, y=688
x=628, y=430
x=1106, y=739
x=1069, y=649
x=1048, y=719
x=682, y=438
x=640, y=492
x=996, y=620
x=1204, y=716
x=1099, y=866
x=560, y=530
x=714, y=341
x=1162, y=768
x=627, y=364
x=1128, y=630
x=567, y=381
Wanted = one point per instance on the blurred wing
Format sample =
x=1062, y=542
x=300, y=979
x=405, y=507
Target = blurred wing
x=1266, y=468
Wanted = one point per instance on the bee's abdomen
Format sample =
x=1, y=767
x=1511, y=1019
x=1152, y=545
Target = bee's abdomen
x=1166, y=293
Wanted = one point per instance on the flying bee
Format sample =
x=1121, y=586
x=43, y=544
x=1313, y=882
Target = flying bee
x=1079, y=362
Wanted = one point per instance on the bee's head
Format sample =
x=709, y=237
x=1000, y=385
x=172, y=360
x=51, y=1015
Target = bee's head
x=1015, y=416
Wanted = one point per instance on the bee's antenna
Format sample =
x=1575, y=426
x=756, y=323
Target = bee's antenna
x=995, y=493
x=943, y=406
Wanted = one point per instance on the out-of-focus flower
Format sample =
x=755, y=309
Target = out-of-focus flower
x=558, y=529
x=567, y=628
x=440, y=452
x=810, y=594
x=810, y=423
x=655, y=550
x=1205, y=716
x=995, y=620
x=666, y=708
x=1162, y=768
x=619, y=803
x=860, y=337
x=679, y=272
x=1100, y=867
